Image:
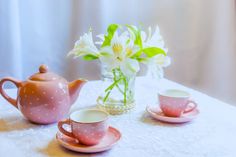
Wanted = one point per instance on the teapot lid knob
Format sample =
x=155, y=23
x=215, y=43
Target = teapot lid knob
x=43, y=68
x=45, y=75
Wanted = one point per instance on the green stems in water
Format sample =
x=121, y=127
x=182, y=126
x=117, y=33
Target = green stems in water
x=109, y=89
x=115, y=77
x=118, y=78
x=125, y=89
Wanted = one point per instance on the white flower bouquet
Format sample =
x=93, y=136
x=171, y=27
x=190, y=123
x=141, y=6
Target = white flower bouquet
x=121, y=50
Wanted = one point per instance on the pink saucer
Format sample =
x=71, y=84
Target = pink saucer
x=110, y=139
x=156, y=113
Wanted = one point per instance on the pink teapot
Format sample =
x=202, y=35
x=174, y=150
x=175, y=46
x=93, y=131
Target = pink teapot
x=45, y=97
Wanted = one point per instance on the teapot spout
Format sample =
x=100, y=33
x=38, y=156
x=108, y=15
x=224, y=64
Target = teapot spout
x=74, y=89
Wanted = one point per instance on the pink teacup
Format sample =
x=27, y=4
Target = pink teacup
x=174, y=102
x=89, y=126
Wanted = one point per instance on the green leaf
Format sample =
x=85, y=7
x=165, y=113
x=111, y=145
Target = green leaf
x=152, y=51
x=141, y=59
x=137, y=34
x=106, y=42
x=105, y=54
x=137, y=54
x=110, y=30
x=89, y=57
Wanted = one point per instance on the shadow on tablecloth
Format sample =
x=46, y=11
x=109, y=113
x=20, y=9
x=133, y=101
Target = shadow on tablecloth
x=15, y=123
x=146, y=118
x=53, y=149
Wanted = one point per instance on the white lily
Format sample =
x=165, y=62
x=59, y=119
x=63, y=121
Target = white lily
x=156, y=65
x=101, y=37
x=161, y=60
x=157, y=62
x=118, y=54
x=156, y=40
x=153, y=40
x=84, y=46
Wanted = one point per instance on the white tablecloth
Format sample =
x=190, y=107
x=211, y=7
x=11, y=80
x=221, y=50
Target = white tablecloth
x=212, y=134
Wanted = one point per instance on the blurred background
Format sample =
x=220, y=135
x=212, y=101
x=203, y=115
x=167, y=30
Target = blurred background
x=200, y=36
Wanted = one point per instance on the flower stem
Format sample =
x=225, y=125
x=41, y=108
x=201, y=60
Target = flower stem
x=109, y=89
x=112, y=85
x=115, y=78
x=125, y=90
x=105, y=98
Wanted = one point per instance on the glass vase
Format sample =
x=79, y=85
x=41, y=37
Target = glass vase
x=117, y=95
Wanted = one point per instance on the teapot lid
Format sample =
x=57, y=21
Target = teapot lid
x=44, y=75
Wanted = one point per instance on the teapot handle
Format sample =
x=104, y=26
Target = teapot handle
x=4, y=94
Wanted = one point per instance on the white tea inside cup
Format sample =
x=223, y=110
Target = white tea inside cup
x=174, y=93
x=88, y=116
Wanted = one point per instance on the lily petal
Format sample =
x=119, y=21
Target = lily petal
x=84, y=46
x=162, y=60
x=130, y=67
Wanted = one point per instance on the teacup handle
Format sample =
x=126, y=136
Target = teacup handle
x=192, y=108
x=61, y=128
